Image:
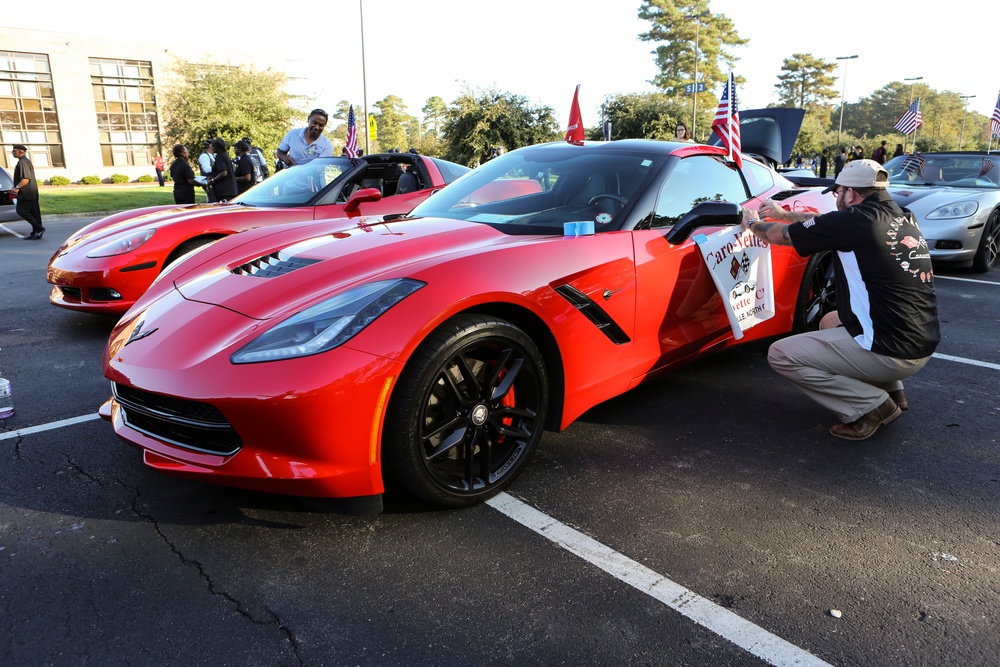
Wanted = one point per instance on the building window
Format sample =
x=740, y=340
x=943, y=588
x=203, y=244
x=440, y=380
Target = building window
x=126, y=111
x=28, y=109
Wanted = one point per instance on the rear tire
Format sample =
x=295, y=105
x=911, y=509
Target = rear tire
x=467, y=412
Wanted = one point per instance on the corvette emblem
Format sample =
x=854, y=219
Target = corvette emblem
x=138, y=334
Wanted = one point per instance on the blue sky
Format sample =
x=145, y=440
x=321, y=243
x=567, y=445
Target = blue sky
x=543, y=48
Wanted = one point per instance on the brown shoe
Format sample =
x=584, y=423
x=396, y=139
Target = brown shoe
x=899, y=398
x=865, y=427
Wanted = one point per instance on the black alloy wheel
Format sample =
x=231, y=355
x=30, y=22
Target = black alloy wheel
x=989, y=245
x=467, y=412
x=818, y=293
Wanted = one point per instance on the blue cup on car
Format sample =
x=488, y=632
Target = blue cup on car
x=582, y=228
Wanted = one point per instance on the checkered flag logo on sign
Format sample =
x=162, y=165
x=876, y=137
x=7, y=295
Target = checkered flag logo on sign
x=745, y=263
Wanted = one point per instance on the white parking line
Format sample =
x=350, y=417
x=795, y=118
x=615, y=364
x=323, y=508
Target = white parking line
x=11, y=231
x=963, y=360
x=48, y=427
x=967, y=280
x=702, y=611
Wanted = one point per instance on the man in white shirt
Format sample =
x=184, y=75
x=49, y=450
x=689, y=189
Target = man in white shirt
x=302, y=145
x=206, y=162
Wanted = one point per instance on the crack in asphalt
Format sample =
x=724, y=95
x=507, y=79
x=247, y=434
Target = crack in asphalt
x=275, y=619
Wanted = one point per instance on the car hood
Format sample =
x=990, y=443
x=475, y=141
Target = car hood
x=924, y=199
x=269, y=274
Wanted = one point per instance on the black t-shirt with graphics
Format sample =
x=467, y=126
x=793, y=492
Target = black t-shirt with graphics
x=884, y=278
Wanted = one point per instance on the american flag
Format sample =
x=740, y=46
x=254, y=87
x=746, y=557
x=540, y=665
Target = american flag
x=987, y=166
x=995, y=123
x=914, y=164
x=727, y=121
x=352, y=134
x=911, y=119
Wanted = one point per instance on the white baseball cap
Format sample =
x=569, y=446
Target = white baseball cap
x=861, y=174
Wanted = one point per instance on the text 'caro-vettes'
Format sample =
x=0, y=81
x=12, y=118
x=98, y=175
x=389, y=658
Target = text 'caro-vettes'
x=324, y=359
x=107, y=265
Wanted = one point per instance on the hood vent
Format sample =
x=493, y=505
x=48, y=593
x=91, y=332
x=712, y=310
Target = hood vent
x=272, y=265
x=785, y=194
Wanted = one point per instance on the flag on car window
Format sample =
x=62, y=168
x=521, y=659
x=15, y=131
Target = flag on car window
x=987, y=166
x=995, y=123
x=574, y=132
x=352, y=134
x=914, y=164
x=911, y=119
x=727, y=121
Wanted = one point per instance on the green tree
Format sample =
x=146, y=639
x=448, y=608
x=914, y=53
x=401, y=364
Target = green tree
x=226, y=101
x=675, y=37
x=339, y=133
x=643, y=116
x=806, y=82
x=479, y=122
x=435, y=113
x=392, y=122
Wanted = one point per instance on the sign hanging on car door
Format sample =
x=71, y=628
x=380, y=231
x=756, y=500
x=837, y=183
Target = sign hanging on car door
x=740, y=264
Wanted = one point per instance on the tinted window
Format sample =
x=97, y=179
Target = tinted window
x=759, y=178
x=5, y=182
x=695, y=180
x=449, y=170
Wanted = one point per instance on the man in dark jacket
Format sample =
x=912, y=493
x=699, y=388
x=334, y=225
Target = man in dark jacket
x=223, y=177
x=885, y=327
x=25, y=190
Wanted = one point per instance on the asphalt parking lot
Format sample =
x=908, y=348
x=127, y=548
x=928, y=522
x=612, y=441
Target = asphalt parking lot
x=703, y=519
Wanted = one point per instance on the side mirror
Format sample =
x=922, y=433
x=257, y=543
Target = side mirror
x=705, y=214
x=360, y=197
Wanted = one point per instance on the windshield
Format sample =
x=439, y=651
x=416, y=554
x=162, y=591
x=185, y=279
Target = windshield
x=298, y=185
x=536, y=190
x=962, y=170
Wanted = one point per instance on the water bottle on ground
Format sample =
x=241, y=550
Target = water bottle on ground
x=6, y=401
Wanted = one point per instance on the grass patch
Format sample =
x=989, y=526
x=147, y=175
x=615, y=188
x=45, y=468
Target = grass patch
x=92, y=199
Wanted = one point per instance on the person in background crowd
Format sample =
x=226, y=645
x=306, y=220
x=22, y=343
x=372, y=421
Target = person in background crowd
x=681, y=133
x=898, y=151
x=205, y=163
x=223, y=177
x=257, y=155
x=880, y=154
x=25, y=191
x=885, y=327
x=839, y=162
x=302, y=145
x=182, y=175
x=824, y=163
x=158, y=166
x=245, y=168
x=859, y=153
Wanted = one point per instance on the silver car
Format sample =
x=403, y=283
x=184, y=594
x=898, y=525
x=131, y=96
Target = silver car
x=956, y=200
x=7, y=212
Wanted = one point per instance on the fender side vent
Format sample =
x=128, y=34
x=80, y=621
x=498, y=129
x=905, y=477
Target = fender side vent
x=272, y=265
x=593, y=312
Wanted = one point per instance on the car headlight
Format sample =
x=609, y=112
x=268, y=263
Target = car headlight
x=327, y=324
x=962, y=209
x=122, y=244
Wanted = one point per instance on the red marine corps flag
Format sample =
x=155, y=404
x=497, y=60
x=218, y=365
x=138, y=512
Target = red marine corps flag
x=574, y=133
x=727, y=121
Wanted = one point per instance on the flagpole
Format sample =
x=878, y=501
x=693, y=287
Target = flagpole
x=729, y=112
x=364, y=76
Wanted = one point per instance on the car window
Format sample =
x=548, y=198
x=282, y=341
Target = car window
x=759, y=178
x=296, y=186
x=538, y=189
x=695, y=180
x=449, y=170
x=954, y=170
x=5, y=180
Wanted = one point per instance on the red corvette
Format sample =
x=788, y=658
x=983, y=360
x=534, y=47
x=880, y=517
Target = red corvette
x=432, y=350
x=106, y=266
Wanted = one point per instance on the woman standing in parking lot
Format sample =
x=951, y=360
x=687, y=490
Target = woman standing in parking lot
x=183, y=176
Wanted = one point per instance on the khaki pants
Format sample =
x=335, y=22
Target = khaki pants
x=831, y=368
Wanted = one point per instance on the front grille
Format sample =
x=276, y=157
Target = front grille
x=190, y=424
x=74, y=294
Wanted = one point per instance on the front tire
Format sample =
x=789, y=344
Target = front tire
x=818, y=293
x=989, y=245
x=467, y=412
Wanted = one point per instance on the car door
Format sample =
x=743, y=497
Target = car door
x=679, y=312
x=7, y=212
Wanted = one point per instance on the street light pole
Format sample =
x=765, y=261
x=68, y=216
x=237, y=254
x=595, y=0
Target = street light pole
x=843, y=93
x=912, y=80
x=697, y=28
x=364, y=76
x=965, y=112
